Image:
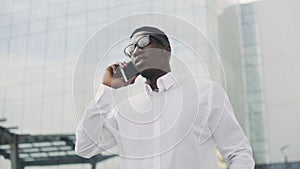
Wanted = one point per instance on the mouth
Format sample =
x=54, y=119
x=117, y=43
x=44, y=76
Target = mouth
x=139, y=60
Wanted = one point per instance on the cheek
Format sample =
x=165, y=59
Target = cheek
x=154, y=52
x=155, y=56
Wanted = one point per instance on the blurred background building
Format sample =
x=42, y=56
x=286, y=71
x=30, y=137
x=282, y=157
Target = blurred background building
x=240, y=50
x=260, y=57
x=258, y=43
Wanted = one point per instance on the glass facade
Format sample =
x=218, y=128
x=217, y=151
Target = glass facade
x=240, y=52
x=39, y=44
x=251, y=65
x=41, y=40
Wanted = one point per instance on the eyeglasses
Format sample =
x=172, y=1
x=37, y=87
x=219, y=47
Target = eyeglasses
x=141, y=43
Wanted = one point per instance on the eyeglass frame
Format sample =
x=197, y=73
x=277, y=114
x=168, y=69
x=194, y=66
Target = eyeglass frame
x=136, y=43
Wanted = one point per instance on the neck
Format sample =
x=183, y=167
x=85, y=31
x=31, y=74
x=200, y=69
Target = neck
x=152, y=76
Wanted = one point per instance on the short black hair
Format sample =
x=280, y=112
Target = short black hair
x=153, y=30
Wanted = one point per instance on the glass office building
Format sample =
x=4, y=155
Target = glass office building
x=251, y=65
x=41, y=40
x=259, y=56
x=242, y=64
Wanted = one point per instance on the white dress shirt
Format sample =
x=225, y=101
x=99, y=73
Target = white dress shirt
x=177, y=127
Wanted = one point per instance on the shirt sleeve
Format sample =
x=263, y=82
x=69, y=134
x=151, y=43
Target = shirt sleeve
x=227, y=133
x=97, y=129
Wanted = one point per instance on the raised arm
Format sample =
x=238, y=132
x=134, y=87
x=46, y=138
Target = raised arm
x=96, y=130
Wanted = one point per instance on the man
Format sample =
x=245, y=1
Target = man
x=177, y=123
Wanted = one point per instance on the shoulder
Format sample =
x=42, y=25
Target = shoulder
x=205, y=85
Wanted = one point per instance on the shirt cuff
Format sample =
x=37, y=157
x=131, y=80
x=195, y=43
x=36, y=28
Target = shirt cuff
x=104, y=93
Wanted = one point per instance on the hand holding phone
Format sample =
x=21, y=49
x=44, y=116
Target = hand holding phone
x=128, y=72
x=119, y=74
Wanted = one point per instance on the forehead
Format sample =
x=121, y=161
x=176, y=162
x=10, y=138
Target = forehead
x=137, y=36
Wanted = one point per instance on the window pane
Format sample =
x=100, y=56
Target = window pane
x=55, y=46
x=21, y=17
x=5, y=20
x=38, y=14
x=37, y=27
x=4, y=32
x=57, y=10
x=19, y=30
x=17, y=54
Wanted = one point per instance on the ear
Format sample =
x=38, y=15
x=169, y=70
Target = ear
x=167, y=51
x=168, y=48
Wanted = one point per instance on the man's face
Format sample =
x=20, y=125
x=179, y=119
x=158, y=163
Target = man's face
x=153, y=56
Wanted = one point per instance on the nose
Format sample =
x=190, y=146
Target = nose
x=136, y=51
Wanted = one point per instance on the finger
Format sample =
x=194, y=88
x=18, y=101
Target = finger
x=114, y=68
x=132, y=80
x=122, y=64
x=109, y=70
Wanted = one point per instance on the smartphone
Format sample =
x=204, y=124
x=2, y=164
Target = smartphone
x=128, y=72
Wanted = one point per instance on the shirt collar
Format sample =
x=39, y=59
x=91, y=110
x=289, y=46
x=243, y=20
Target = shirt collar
x=164, y=83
